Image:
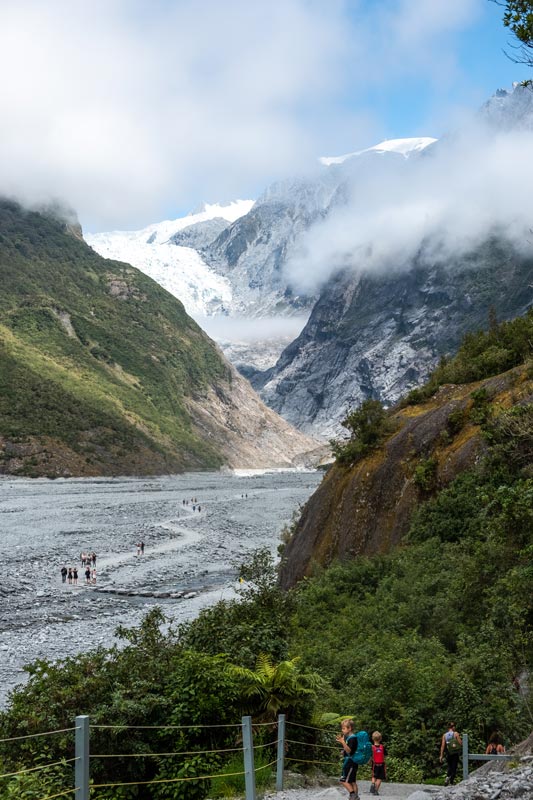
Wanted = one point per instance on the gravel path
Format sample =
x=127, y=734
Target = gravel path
x=396, y=790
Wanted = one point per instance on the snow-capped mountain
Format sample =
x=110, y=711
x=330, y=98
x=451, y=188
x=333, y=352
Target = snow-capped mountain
x=378, y=329
x=179, y=269
x=370, y=334
x=404, y=147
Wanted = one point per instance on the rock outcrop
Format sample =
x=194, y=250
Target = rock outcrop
x=366, y=509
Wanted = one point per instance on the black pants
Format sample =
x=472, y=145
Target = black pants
x=453, y=761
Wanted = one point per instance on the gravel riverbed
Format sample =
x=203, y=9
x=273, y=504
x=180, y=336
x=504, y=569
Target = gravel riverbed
x=188, y=561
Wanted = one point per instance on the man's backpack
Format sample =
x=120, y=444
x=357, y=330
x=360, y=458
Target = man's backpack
x=363, y=754
x=453, y=747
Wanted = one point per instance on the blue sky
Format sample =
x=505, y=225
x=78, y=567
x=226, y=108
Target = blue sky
x=134, y=111
x=419, y=107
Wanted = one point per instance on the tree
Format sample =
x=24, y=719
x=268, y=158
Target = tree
x=367, y=425
x=272, y=688
x=518, y=17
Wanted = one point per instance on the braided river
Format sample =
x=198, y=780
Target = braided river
x=190, y=557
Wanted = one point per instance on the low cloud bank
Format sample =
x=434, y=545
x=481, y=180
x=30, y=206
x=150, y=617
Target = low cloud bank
x=436, y=207
x=235, y=329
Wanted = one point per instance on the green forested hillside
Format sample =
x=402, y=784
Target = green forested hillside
x=96, y=360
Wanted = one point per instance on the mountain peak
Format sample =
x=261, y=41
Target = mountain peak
x=405, y=147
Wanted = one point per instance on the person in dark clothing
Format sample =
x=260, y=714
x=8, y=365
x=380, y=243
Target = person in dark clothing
x=64, y=572
x=348, y=740
x=451, y=744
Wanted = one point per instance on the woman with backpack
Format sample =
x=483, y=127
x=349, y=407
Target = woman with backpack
x=495, y=746
x=451, y=744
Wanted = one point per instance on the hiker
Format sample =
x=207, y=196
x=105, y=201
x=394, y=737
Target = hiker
x=75, y=576
x=495, y=746
x=378, y=762
x=93, y=559
x=64, y=572
x=451, y=744
x=142, y=548
x=93, y=575
x=70, y=574
x=348, y=740
x=87, y=574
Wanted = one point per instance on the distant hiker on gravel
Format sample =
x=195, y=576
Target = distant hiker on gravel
x=495, y=746
x=64, y=572
x=348, y=740
x=94, y=559
x=378, y=762
x=75, y=576
x=70, y=574
x=451, y=744
x=142, y=548
x=87, y=574
x=93, y=576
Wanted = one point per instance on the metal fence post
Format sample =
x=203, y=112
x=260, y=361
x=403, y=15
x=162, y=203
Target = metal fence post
x=281, y=752
x=465, y=756
x=248, y=750
x=81, y=769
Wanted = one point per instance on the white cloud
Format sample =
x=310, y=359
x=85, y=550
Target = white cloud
x=124, y=107
x=438, y=207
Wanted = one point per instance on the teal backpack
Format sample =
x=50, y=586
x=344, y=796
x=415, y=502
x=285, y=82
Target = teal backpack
x=363, y=754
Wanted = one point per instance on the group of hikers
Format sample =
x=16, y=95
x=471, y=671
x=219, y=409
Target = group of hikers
x=193, y=502
x=357, y=749
x=70, y=574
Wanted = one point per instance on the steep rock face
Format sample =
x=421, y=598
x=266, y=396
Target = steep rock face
x=379, y=336
x=252, y=252
x=366, y=509
x=102, y=372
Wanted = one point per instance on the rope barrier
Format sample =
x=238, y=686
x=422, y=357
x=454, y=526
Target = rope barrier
x=303, y=761
x=34, y=735
x=36, y=769
x=268, y=744
x=309, y=727
x=159, y=727
x=60, y=794
x=153, y=755
x=309, y=744
x=167, y=780
x=265, y=724
x=266, y=766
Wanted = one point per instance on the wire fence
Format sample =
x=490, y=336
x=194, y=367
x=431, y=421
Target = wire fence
x=83, y=788
x=301, y=747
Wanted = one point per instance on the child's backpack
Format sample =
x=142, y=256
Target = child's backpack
x=378, y=754
x=363, y=754
x=453, y=747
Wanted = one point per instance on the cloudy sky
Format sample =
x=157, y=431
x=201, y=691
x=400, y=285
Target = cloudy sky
x=134, y=111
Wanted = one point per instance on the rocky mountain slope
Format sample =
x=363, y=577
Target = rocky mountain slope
x=378, y=333
x=102, y=371
x=379, y=336
x=367, y=508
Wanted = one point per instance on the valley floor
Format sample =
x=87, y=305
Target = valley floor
x=46, y=524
